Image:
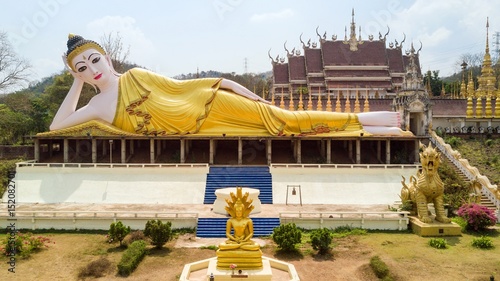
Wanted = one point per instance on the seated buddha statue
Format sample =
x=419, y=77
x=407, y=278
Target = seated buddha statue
x=239, y=248
x=142, y=102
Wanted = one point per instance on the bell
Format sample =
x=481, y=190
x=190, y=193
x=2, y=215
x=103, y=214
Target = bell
x=294, y=192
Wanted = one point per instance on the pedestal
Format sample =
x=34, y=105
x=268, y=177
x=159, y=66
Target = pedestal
x=255, y=274
x=224, y=193
x=435, y=228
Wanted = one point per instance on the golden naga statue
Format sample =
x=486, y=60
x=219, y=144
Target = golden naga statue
x=239, y=249
x=426, y=187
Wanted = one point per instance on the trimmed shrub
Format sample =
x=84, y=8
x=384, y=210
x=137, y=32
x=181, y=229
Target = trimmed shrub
x=286, y=236
x=118, y=231
x=132, y=257
x=438, y=243
x=477, y=217
x=96, y=269
x=379, y=267
x=159, y=233
x=321, y=240
x=482, y=242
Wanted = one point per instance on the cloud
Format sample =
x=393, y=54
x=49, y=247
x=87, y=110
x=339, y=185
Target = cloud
x=439, y=36
x=287, y=13
x=132, y=36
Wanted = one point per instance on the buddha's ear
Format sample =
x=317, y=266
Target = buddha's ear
x=110, y=63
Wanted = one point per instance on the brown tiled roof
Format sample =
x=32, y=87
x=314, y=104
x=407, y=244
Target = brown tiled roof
x=449, y=107
x=406, y=62
x=315, y=79
x=280, y=72
x=395, y=57
x=314, y=63
x=297, y=68
x=368, y=53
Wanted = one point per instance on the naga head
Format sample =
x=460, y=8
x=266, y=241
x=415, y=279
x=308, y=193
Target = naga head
x=430, y=159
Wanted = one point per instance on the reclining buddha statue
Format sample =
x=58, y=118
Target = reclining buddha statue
x=142, y=102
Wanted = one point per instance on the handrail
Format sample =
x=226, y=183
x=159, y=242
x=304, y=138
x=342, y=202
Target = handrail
x=472, y=173
x=110, y=165
x=348, y=166
x=115, y=214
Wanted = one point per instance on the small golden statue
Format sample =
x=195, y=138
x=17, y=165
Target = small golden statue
x=426, y=187
x=239, y=249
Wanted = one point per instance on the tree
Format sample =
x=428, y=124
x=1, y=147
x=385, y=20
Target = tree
x=13, y=69
x=159, y=233
x=114, y=48
x=118, y=231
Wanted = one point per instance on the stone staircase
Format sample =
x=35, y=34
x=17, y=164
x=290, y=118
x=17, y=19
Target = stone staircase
x=257, y=177
x=216, y=227
x=485, y=201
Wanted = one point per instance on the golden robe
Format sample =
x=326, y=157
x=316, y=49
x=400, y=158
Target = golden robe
x=149, y=103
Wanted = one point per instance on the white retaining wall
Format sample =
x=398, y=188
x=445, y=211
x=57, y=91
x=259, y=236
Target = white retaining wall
x=100, y=185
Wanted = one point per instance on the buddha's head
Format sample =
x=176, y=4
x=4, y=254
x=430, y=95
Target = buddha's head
x=238, y=209
x=77, y=45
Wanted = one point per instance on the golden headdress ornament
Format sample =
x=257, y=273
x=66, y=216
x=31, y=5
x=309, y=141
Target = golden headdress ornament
x=77, y=44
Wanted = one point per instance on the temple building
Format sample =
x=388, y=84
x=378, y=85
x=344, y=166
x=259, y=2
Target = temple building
x=371, y=66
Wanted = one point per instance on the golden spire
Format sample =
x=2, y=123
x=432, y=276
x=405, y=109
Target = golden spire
x=319, y=105
x=366, y=106
x=301, y=103
x=470, y=86
x=310, y=103
x=337, y=103
x=347, y=107
x=291, y=105
x=282, y=102
x=356, y=103
x=328, y=103
x=487, y=80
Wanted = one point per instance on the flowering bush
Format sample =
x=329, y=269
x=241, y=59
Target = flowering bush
x=478, y=217
x=23, y=244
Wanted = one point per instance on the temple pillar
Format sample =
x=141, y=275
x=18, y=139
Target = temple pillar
x=37, y=150
x=269, y=151
x=152, y=150
x=187, y=147
x=328, y=151
x=349, y=149
x=183, y=151
x=123, y=150
x=417, y=150
x=94, y=150
x=131, y=147
x=299, y=151
x=211, y=152
x=240, y=151
x=387, y=152
x=358, y=151
x=66, y=150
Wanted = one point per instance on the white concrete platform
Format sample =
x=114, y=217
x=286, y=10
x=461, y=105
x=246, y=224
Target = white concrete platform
x=186, y=185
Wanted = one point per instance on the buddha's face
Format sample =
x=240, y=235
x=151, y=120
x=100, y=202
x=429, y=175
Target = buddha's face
x=238, y=212
x=92, y=67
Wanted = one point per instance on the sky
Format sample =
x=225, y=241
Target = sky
x=180, y=37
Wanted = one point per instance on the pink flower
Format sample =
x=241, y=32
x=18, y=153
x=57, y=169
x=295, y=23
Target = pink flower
x=233, y=266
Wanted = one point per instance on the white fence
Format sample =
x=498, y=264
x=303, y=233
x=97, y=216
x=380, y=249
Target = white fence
x=364, y=220
x=95, y=220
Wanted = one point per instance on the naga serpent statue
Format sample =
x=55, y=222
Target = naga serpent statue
x=426, y=187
